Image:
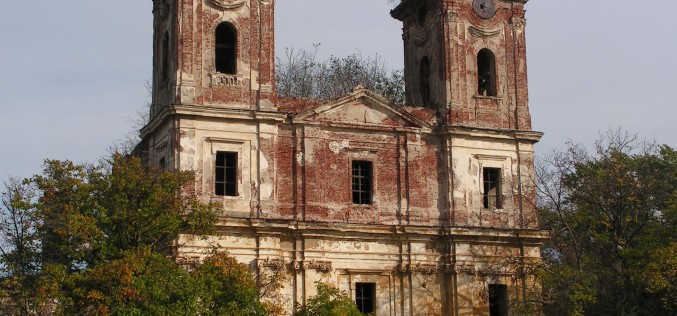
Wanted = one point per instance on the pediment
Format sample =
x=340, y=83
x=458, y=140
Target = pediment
x=361, y=108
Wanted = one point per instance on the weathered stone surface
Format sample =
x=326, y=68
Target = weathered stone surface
x=426, y=240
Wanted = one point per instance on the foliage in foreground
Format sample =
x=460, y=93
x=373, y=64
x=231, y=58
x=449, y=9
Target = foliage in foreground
x=329, y=301
x=301, y=76
x=612, y=216
x=97, y=240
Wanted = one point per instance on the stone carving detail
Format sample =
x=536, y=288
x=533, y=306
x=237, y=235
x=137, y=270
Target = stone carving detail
x=419, y=37
x=452, y=15
x=269, y=263
x=418, y=268
x=228, y=4
x=226, y=80
x=480, y=32
x=335, y=147
x=321, y=266
x=518, y=22
x=464, y=268
x=296, y=265
x=161, y=9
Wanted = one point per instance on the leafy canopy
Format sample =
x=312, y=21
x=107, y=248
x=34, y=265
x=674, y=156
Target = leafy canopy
x=329, y=301
x=611, y=217
x=97, y=240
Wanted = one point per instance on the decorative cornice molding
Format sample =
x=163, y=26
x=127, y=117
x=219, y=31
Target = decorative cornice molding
x=422, y=268
x=228, y=4
x=482, y=32
x=464, y=268
x=270, y=263
x=321, y=266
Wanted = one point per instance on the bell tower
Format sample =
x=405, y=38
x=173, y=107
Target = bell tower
x=213, y=53
x=467, y=59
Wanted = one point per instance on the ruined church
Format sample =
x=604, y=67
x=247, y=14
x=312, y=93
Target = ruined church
x=425, y=208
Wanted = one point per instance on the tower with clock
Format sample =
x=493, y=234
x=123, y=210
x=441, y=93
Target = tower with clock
x=467, y=60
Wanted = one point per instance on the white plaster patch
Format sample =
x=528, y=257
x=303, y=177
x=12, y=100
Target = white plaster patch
x=266, y=191
x=263, y=161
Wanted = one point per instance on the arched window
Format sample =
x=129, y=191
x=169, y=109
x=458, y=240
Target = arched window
x=421, y=15
x=424, y=77
x=225, y=49
x=486, y=73
x=165, y=56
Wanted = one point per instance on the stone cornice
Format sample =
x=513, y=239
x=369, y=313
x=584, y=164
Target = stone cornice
x=212, y=112
x=348, y=231
x=528, y=136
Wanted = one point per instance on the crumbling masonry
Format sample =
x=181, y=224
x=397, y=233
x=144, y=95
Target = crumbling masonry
x=417, y=209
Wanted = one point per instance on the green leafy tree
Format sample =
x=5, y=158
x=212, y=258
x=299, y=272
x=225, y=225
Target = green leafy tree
x=19, y=249
x=138, y=283
x=95, y=213
x=329, y=301
x=227, y=288
x=610, y=216
x=97, y=240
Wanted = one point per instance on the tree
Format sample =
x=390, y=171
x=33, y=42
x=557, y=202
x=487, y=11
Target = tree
x=138, y=283
x=329, y=301
x=227, y=288
x=19, y=246
x=97, y=240
x=301, y=76
x=611, y=219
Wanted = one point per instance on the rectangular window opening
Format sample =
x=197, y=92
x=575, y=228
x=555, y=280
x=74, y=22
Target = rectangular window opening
x=225, y=180
x=498, y=300
x=362, y=182
x=365, y=297
x=492, y=196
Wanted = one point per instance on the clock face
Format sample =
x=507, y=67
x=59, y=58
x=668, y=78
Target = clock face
x=485, y=9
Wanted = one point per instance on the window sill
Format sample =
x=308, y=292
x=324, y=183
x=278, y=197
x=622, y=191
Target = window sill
x=484, y=97
x=226, y=197
x=219, y=79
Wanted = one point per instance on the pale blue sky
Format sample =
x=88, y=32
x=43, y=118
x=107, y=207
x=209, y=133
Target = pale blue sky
x=73, y=72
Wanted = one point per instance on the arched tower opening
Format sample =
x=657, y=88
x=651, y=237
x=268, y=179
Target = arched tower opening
x=486, y=73
x=225, y=49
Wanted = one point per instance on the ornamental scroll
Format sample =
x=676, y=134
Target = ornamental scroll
x=321, y=266
x=270, y=263
x=418, y=268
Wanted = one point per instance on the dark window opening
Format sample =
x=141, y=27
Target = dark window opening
x=226, y=174
x=162, y=163
x=225, y=49
x=365, y=296
x=486, y=73
x=421, y=15
x=492, y=188
x=165, y=56
x=362, y=173
x=498, y=300
x=424, y=74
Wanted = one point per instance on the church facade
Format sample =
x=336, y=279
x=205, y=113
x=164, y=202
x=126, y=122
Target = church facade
x=425, y=208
